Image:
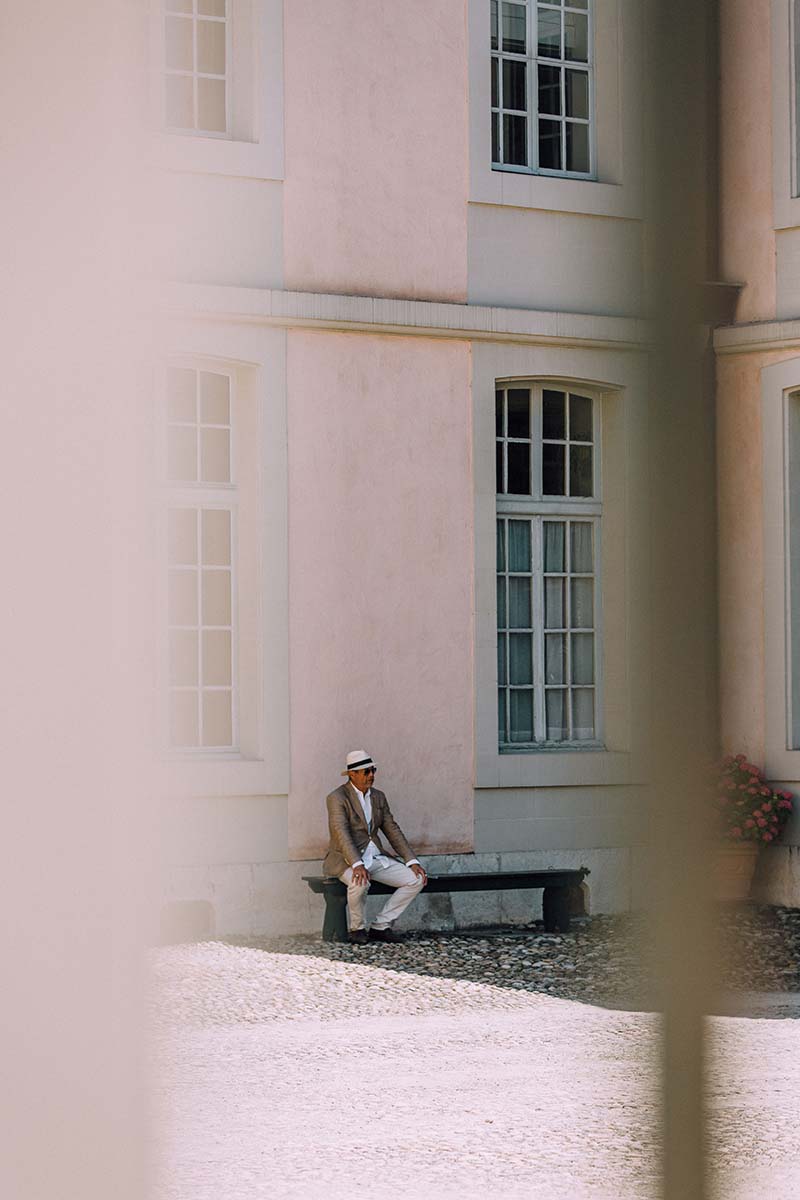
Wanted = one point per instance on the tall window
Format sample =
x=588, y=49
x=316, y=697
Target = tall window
x=548, y=524
x=196, y=56
x=200, y=553
x=542, y=86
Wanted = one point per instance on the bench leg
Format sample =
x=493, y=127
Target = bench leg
x=334, y=927
x=555, y=909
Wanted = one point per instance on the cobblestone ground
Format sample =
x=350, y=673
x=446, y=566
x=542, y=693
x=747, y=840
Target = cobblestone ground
x=515, y=1063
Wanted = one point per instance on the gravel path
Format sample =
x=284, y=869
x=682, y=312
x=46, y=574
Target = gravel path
x=458, y=1065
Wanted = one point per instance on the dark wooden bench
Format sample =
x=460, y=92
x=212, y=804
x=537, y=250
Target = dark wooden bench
x=556, y=901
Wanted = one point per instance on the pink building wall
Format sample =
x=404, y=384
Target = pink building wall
x=381, y=579
x=747, y=237
x=375, y=198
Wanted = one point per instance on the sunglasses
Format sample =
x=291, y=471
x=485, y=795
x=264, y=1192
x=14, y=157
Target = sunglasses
x=367, y=770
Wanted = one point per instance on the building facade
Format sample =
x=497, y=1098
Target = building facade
x=402, y=437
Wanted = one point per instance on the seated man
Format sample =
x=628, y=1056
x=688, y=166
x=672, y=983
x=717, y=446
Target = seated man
x=356, y=811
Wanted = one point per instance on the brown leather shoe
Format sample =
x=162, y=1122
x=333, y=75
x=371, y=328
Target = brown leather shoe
x=358, y=937
x=384, y=935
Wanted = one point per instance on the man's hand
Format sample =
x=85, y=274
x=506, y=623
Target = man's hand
x=418, y=870
x=360, y=876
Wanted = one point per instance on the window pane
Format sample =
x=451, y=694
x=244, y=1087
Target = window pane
x=182, y=453
x=582, y=714
x=582, y=658
x=211, y=105
x=501, y=715
x=581, y=557
x=520, y=664
x=555, y=658
x=498, y=413
x=184, y=722
x=549, y=33
x=181, y=397
x=498, y=466
x=178, y=54
x=217, y=719
x=495, y=85
x=211, y=47
x=183, y=658
x=215, y=398
x=514, y=28
x=579, y=4
x=495, y=137
x=515, y=140
x=501, y=603
x=549, y=90
x=519, y=413
x=519, y=468
x=580, y=419
x=179, y=101
x=182, y=606
x=582, y=600
x=576, y=37
x=553, y=479
x=553, y=420
x=216, y=537
x=514, y=85
x=550, y=145
x=216, y=8
x=554, y=715
x=501, y=658
x=521, y=716
x=554, y=604
x=553, y=546
x=215, y=455
x=577, y=147
x=519, y=602
x=217, y=656
x=580, y=470
x=501, y=546
x=216, y=589
x=577, y=93
x=183, y=536
x=493, y=23
x=519, y=546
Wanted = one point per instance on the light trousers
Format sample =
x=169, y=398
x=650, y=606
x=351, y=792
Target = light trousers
x=396, y=875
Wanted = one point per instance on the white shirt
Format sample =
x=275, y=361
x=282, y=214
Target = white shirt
x=372, y=855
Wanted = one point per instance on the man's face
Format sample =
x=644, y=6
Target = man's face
x=362, y=779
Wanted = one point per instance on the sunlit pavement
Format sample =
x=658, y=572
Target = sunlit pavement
x=385, y=1081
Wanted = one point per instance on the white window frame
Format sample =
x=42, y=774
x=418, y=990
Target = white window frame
x=615, y=188
x=196, y=130
x=217, y=340
x=538, y=508
x=533, y=61
x=198, y=497
x=780, y=389
x=252, y=147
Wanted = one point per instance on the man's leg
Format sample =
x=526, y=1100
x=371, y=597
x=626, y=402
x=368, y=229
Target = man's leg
x=355, y=900
x=408, y=885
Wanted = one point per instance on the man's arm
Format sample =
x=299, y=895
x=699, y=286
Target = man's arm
x=341, y=833
x=397, y=839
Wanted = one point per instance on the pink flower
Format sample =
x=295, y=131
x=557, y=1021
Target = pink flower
x=736, y=831
x=749, y=823
x=761, y=823
x=766, y=807
x=767, y=837
x=785, y=795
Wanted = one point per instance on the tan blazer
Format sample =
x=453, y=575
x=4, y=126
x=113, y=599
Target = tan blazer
x=349, y=832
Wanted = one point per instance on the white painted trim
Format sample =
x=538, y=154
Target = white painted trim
x=777, y=382
x=424, y=318
x=757, y=336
